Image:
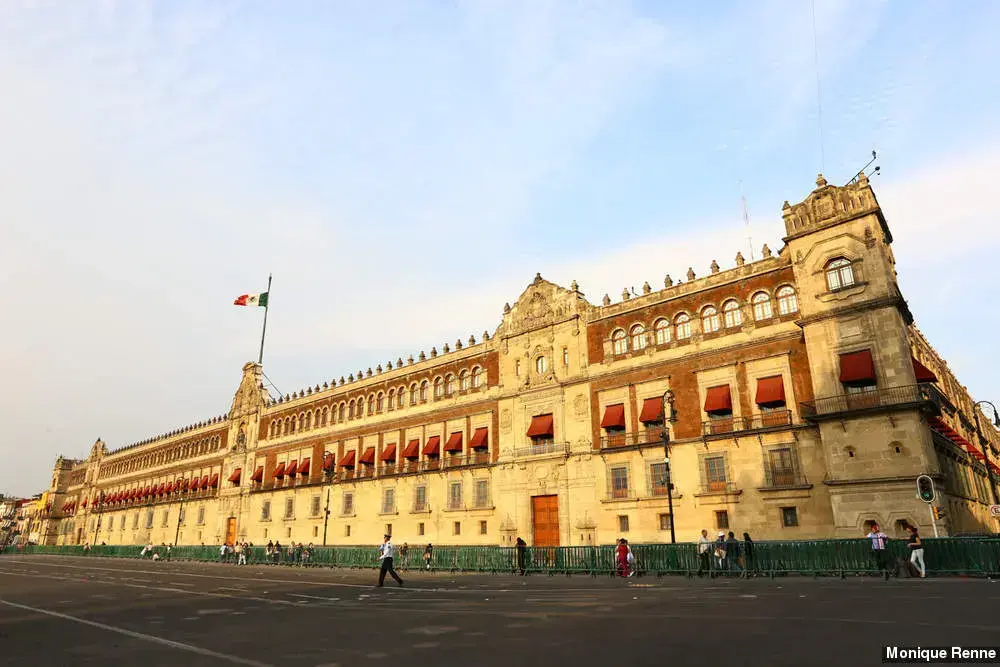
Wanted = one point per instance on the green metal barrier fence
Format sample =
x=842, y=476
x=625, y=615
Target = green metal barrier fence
x=970, y=556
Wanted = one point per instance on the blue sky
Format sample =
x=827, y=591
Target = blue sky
x=405, y=170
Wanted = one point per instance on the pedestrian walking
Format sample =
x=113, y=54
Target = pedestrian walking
x=733, y=557
x=748, y=560
x=879, y=541
x=522, y=548
x=428, y=555
x=704, y=551
x=917, y=551
x=621, y=557
x=386, y=557
x=403, y=551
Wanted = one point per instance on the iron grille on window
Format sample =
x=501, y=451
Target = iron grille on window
x=482, y=494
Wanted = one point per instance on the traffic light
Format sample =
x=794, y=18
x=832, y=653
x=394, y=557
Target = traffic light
x=938, y=512
x=925, y=489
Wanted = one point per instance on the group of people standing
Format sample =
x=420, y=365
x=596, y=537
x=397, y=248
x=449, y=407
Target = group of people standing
x=725, y=553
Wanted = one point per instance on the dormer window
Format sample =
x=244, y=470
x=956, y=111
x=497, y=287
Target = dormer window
x=839, y=274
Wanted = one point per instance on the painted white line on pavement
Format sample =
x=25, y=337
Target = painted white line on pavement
x=313, y=597
x=139, y=635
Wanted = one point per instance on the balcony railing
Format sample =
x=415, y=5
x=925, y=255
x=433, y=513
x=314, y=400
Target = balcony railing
x=419, y=507
x=650, y=436
x=872, y=399
x=709, y=487
x=776, y=477
x=474, y=458
x=761, y=422
x=540, y=447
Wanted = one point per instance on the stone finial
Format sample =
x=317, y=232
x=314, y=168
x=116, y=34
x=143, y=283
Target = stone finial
x=538, y=278
x=646, y=289
x=458, y=344
x=690, y=274
x=350, y=378
x=766, y=251
x=368, y=373
x=422, y=356
x=388, y=365
x=342, y=381
x=786, y=205
x=409, y=360
x=309, y=391
x=295, y=394
x=445, y=349
x=486, y=335
x=668, y=281
x=739, y=259
x=399, y=362
x=286, y=397
x=360, y=374
x=714, y=267
x=506, y=308
x=820, y=181
x=574, y=286
x=606, y=300
x=326, y=385
x=472, y=340
x=434, y=352
x=378, y=369
x=625, y=295
x=317, y=386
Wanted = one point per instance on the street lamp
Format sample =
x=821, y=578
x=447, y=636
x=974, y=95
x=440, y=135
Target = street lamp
x=986, y=447
x=326, y=519
x=669, y=415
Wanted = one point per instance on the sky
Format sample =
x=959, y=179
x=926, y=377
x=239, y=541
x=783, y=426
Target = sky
x=404, y=168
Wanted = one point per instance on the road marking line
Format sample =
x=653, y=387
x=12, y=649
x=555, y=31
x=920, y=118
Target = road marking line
x=313, y=597
x=139, y=635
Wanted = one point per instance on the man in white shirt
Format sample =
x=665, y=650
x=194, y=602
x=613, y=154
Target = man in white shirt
x=879, y=541
x=385, y=554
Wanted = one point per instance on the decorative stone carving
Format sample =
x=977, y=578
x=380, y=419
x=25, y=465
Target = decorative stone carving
x=739, y=259
x=714, y=266
x=606, y=300
x=399, y=362
x=249, y=396
x=574, y=286
x=350, y=378
x=580, y=406
x=458, y=344
x=342, y=381
x=646, y=289
x=445, y=349
x=472, y=340
x=368, y=373
x=409, y=360
x=378, y=369
x=766, y=252
x=625, y=295
x=505, y=421
x=506, y=308
x=486, y=335
x=668, y=281
x=422, y=356
x=690, y=274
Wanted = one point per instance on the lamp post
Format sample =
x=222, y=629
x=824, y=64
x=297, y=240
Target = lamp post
x=669, y=415
x=986, y=447
x=180, y=517
x=326, y=517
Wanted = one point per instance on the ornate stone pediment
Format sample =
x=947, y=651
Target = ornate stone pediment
x=98, y=450
x=829, y=204
x=543, y=303
x=251, y=396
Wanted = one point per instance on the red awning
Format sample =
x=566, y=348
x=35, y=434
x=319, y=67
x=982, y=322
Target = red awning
x=196, y=483
x=148, y=491
x=214, y=482
x=923, y=373
x=412, y=450
x=433, y=446
x=258, y=474
x=857, y=367
x=84, y=503
x=368, y=456
x=481, y=438
x=161, y=489
x=235, y=477
x=347, y=460
x=388, y=453
x=329, y=461
x=291, y=468
x=279, y=471
x=304, y=466
x=614, y=416
x=718, y=399
x=169, y=487
x=770, y=391
x=184, y=484
x=652, y=411
x=454, y=443
x=540, y=425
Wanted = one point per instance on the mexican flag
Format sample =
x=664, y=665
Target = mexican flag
x=252, y=300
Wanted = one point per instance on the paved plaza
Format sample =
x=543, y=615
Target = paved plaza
x=92, y=611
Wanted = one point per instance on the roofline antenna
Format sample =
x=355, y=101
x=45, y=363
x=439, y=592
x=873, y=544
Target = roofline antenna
x=746, y=221
x=875, y=171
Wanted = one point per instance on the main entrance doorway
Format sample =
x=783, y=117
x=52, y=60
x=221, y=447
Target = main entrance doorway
x=545, y=521
x=231, y=531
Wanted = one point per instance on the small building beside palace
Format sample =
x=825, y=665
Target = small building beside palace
x=805, y=403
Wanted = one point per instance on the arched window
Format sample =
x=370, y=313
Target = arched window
x=477, y=377
x=350, y=409
x=709, y=319
x=463, y=381
x=683, y=324
x=380, y=403
x=288, y=427
x=662, y=329
x=619, y=344
x=309, y=420
x=541, y=365
x=423, y=390
x=326, y=415
x=292, y=423
x=371, y=404
x=413, y=394
x=638, y=335
x=343, y=409
x=787, y=303
x=761, y=306
x=399, y=397
x=839, y=274
x=451, y=384
x=732, y=314
x=438, y=387
x=392, y=399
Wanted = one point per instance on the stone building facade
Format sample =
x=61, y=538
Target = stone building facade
x=805, y=404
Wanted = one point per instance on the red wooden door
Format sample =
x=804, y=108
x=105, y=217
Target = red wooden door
x=231, y=531
x=545, y=520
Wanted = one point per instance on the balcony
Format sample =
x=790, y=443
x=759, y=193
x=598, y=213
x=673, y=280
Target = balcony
x=542, y=447
x=871, y=401
x=476, y=458
x=717, y=488
x=763, y=422
x=648, y=437
x=776, y=478
x=421, y=507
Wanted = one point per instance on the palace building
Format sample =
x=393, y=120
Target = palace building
x=805, y=403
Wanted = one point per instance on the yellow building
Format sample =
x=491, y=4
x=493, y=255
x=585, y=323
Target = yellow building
x=806, y=401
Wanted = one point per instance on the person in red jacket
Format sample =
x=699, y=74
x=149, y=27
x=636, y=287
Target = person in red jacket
x=621, y=557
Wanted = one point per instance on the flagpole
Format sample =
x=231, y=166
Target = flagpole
x=260, y=359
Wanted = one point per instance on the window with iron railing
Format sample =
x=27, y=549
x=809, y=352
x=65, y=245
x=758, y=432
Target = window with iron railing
x=420, y=499
x=781, y=467
x=289, y=508
x=347, y=507
x=455, y=496
x=657, y=479
x=388, y=501
x=482, y=493
x=715, y=477
x=314, y=506
x=618, y=478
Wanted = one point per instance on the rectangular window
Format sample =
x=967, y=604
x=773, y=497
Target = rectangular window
x=265, y=511
x=420, y=499
x=388, y=529
x=388, y=501
x=149, y=519
x=455, y=496
x=420, y=528
x=457, y=528
x=623, y=523
x=166, y=518
x=658, y=479
x=619, y=482
x=182, y=515
x=715, y=473
x=781, y=466
x=482, y=493
x=201, y=515
x=347, y=530
x=314, y=506
x=348, y=506
x=289, y=508
x=789, y=517
x=664, y=522
x=565, y=357
x=135, y=521
x=482, y=527
x=722, y=520
x=288, y=531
